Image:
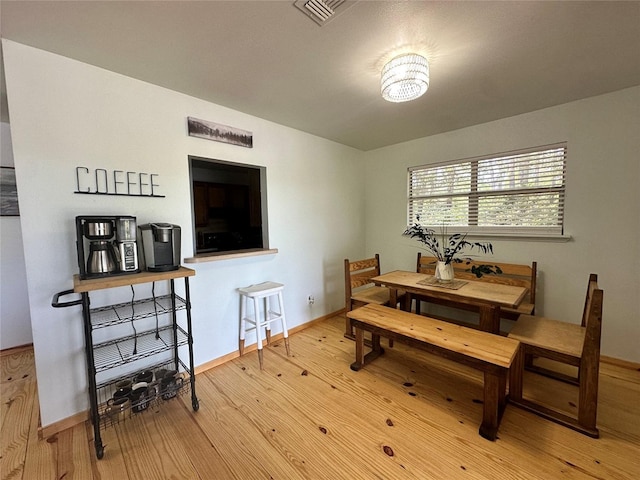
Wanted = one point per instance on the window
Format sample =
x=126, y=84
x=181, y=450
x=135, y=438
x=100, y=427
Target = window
x=229, y=205
x=511, y=193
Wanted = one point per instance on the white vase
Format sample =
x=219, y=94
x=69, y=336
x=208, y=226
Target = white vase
x=444, y=272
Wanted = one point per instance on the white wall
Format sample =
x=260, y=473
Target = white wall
x=66, y=114
x=602, y=206
x=15, y=320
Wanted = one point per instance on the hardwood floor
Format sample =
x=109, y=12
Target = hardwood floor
x=408, y=415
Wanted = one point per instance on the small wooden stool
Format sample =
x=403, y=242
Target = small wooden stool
x=266, y=291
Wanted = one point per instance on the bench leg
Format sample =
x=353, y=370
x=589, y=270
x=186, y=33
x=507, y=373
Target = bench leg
x=348, y=332
x=516, y=373
x=361, y=358
x=494, y=402
x=357, y=365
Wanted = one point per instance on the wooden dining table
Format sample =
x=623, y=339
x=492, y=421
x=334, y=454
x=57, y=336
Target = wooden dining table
x=482, y=297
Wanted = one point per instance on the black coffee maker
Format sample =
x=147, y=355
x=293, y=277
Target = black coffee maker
x=106, y=245
x=160, y=246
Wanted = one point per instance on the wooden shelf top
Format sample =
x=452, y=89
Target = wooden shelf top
x=101, y=283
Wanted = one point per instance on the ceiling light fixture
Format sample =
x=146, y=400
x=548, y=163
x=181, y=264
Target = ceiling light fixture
x=405, y=78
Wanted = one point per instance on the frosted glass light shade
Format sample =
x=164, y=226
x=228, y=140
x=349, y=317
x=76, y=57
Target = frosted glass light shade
x=405, y=78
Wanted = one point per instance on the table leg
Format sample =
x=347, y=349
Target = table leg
x=407, y=303
x=393, y=297
x=490, y=318
x=393, y=302
x=375, y=343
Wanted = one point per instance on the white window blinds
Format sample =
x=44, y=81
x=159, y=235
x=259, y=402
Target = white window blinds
x=511, y=193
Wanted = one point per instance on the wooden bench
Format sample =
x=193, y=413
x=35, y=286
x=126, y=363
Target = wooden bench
x=512, y=274
x=491, y=354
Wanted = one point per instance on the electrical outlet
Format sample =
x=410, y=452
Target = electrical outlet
x=311, y=300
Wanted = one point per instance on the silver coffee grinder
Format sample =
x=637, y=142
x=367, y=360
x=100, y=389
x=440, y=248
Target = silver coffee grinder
x=126, y=243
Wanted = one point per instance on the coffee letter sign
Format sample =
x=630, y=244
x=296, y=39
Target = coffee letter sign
x=117, y=182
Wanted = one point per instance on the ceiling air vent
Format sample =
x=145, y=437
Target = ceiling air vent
x=323, y=11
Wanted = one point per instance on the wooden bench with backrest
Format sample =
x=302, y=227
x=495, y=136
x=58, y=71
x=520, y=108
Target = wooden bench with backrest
x=569, y=343
x=489, y=353
x=512, y=274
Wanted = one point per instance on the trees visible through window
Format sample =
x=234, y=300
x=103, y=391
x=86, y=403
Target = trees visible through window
x=511, y=193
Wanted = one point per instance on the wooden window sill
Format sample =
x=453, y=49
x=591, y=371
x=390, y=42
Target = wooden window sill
x=216, y=256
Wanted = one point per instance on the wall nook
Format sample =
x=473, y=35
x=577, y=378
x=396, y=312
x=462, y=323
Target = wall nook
x=229, y=206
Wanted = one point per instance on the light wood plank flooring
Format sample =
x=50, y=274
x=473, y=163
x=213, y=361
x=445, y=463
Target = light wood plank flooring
x=408, y=415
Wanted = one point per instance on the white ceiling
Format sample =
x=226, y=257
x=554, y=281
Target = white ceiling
x=489, y=59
